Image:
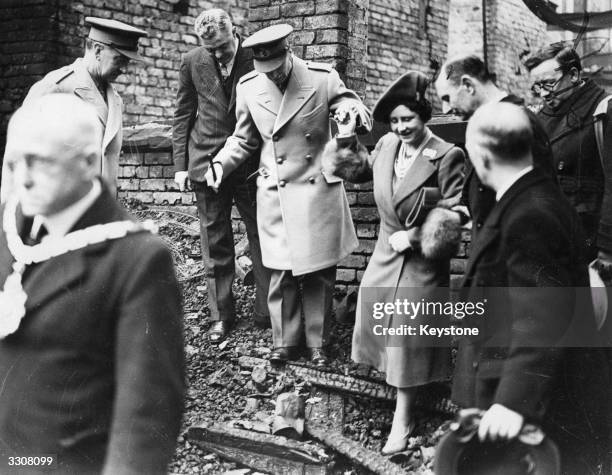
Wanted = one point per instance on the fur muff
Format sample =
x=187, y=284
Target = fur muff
x=441, y=234
x=347, y=162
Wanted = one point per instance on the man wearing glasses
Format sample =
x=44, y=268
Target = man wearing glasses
x=571, y=115
x=109, y=47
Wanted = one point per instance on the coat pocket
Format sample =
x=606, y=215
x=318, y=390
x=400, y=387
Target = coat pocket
x=318, y=109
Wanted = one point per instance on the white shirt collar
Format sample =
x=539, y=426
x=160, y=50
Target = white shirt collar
x=511, y=181
x=59, y=224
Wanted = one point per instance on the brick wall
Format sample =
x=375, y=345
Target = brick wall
x=511, y=30
x=404, y=35
x=333, y=31
x=24, y=56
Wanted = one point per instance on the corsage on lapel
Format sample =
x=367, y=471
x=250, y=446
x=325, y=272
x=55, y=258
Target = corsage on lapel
x=430, y=153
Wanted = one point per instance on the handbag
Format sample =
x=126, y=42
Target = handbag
x=427, y=199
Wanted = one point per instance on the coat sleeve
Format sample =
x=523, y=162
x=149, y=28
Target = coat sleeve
x=244, y=141
x=149, y=367
x=184, y=116
x=451, y=176
x=604, y=237
x=338, y=94
x=539, y=287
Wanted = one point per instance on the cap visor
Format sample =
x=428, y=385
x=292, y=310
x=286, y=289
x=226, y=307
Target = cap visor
x=130, y=54
x=269, y=65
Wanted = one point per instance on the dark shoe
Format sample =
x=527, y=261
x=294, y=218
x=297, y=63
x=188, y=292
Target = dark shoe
x=218, y=331
x=283, y=354
x=262, y=321
x=318, y=357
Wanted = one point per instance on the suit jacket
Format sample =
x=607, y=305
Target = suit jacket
x=303, y=215
x=75, y=79
x=480, y=198
x=531, y=250
x=577, y=160
x=94, y=373
x=205, y=116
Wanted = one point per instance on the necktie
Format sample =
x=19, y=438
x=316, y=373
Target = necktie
x=35, y=236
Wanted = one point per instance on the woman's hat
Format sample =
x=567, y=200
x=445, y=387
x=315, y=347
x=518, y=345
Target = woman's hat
x=409, y=87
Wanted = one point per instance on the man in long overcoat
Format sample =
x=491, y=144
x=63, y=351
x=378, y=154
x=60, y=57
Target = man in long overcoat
x=303, y=216
x=537, y=358
x=91, y=351
x=205, y=116
x=109, y=47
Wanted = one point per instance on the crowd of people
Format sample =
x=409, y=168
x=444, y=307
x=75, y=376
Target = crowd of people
x=91, y=350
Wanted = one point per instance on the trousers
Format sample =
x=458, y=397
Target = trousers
x=217, y=241
x=287, y=303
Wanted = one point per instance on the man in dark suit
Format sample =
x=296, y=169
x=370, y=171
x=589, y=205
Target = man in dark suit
x=91, y=352
x=465, y=84
x=529, y=262
x=205, y=116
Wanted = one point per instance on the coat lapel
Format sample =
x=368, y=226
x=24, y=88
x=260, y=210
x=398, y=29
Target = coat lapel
x=267, y=95
x=384, y=162
x=89, y=92
x=299, y=91
x=113, y=124
x=209, y=78
x=423, y=167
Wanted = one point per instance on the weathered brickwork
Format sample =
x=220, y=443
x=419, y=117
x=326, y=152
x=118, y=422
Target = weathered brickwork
x=404, y=35
x=24, y=53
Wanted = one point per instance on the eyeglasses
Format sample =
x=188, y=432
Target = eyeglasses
x=548, y=85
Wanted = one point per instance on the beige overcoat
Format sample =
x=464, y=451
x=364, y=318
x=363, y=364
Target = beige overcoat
x=303, y=214
x=75, y=79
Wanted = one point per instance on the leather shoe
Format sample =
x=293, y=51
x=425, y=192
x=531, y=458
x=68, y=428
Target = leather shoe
x=218, y=331
x=318, y=357
x=283, y=354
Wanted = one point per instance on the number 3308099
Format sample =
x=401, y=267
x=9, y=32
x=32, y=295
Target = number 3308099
x=30, y=461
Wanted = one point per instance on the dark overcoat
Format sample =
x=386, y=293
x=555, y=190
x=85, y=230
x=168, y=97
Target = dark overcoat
x=94, y=373
x=531, y=251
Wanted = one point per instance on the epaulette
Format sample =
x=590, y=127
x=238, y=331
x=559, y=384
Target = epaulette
x=319, y=66
x=62, y=74
x=248, y=76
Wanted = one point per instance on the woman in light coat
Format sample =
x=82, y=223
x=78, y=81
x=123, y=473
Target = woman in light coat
x=403, y=162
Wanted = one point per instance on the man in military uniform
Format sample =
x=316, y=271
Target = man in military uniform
x=109, y=47
x=205, y=116
x=572, y=112
x=305, y=226
x=464, y=85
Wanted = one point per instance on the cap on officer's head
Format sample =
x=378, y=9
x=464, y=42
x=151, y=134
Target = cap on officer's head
x=269, y=47
x=118, y=35
x=215, y=27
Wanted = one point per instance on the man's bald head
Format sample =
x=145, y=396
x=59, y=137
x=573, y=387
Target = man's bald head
x=499, y=136
x=53, y=151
